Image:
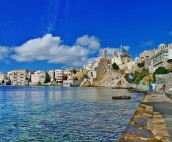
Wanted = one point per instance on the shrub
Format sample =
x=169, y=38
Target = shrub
x=160, y=70
x=115, y=66
x=47, y=80
x=140, y=65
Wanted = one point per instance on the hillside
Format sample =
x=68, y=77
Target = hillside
x=112, y=79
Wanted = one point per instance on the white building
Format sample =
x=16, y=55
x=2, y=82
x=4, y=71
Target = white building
x=39, y=76
x=161, y=56
x=170, y=56
x=20, y=77
x=120, y=56
x=94, y=70
x=128, y=67
x=146, y=56
x=59, y=76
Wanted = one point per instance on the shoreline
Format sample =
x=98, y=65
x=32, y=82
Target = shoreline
x=150, y=121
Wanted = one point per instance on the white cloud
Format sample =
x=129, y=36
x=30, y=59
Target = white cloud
x=51, y=49
x=170, y=33
x=147, y=43
x=3, y=52
x=91, y=42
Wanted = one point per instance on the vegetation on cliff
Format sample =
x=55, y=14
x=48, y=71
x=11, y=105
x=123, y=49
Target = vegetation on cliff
x=115, y=66
x=140, y=65
x=137, y=76
x=160, y=70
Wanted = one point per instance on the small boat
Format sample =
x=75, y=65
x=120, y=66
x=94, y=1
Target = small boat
x=121, y=97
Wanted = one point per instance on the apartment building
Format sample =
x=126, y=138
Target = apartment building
x=20, y=77
x=146, y=56
x=39, y=77
x=60, y=76
x=43, y=76
x=160, y=57
x=35, y=77
x=170, y=56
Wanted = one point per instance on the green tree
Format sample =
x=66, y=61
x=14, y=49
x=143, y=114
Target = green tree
x=115, y=66
x=47, y=80
x=140, y=65
x=160, y=70
x=85, y=76
x=138, y=76
x=130, y=80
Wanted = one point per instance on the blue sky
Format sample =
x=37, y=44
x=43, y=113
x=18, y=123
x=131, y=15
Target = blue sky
x=51, y=34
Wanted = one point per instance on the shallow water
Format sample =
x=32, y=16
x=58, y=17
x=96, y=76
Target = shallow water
x=64, y=114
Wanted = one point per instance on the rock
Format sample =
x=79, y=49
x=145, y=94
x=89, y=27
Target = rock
x=149, y=109
x=121, y=97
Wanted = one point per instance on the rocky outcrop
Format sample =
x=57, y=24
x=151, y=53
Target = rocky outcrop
x=85, y=83
x=112, y=79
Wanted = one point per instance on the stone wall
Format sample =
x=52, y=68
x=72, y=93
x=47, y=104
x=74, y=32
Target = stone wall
x=164, y=79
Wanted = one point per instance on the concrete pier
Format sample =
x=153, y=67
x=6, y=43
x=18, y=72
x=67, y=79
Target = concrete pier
x=152, y=120
x=161, y=103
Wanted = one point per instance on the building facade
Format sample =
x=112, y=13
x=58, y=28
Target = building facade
x=128, y=67
x=20, y=77
x=120, y=57
x=60, y=76
x=39, y=77
x=161, y=56
x=146, y=56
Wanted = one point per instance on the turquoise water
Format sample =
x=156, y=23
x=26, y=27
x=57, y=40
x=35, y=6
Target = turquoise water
x=64, y=114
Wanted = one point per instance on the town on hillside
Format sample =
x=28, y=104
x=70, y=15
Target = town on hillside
x=118, y=71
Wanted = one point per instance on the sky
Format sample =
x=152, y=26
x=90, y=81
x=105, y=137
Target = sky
x=55, y=34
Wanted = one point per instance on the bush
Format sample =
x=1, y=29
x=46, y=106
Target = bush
x=115, y=66
x=140, y=76
x=137, y=76
x=130, y=80
x=75, y=78
x=160, y=70
x=85, y=76
x=140, y=65
x=47, y=80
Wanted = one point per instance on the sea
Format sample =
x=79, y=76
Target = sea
x=64, y=114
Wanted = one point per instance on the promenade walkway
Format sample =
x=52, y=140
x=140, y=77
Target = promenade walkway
x=161, y=103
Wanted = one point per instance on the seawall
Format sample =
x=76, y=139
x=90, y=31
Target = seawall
x=150, y=120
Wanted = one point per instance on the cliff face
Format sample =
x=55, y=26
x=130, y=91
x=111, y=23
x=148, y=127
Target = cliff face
x=112, y=79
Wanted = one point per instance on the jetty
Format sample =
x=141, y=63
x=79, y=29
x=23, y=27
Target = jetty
x=152, y=120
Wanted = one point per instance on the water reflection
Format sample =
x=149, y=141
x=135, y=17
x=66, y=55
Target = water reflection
x=59, y=114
